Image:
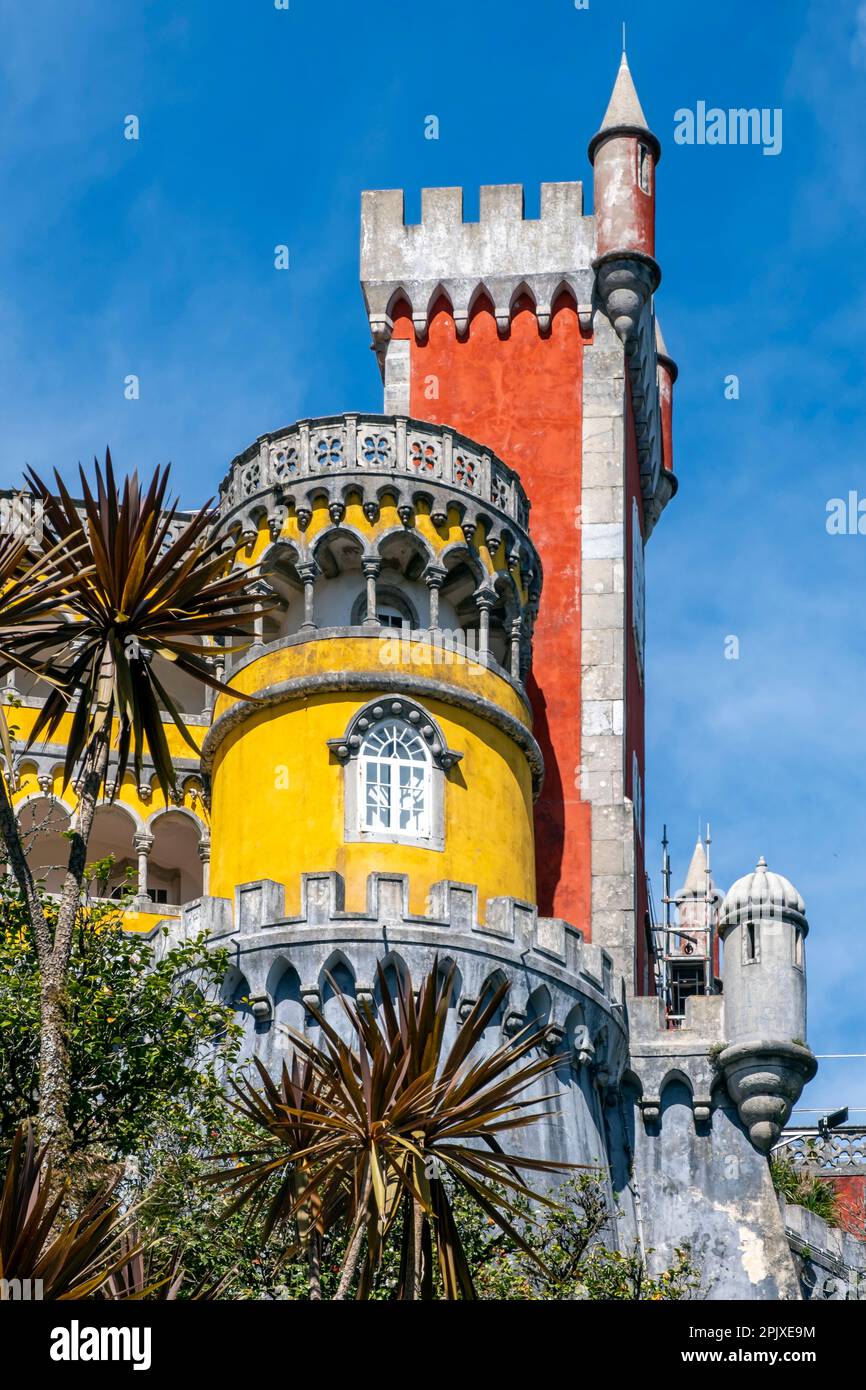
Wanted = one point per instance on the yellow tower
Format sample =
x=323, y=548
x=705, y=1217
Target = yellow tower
x=387, y=727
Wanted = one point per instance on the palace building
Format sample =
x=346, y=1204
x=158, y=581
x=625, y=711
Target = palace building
x=445, y=756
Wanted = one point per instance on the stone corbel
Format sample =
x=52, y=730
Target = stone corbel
x=765, y=1079
x=650, y=1108
x=701, y=1107
x=311, y=997
x=513, y=1023
x=261, y=1008
x=365, y=996
x=464, y=1008
x=625, y=282
x=553, y=1039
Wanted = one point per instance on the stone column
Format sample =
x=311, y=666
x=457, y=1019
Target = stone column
x=258, y=628
x=204, y=855
x=516, y=630
x=434, y=578
x=308, y=572
x=484, y=602
x=143, y=844
x=209, y=692
x=371, y=567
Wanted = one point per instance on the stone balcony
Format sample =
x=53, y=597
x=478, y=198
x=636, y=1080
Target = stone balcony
x=379, y=453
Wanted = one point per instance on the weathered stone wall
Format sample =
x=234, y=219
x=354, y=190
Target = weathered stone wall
x=700, y=1181
x=830, y=1263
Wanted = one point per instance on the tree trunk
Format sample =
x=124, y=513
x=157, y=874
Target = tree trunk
x=412, y=1279
x=54, y=1078
x=314, y=1266
x=418, y=1249
x=356, y=1242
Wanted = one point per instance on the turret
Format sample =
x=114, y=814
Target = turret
x=766, y=1062
x=624, y=154
x=388, y=726
x=667, y=372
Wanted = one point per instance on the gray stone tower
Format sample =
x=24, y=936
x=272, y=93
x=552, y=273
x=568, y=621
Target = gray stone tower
x=766, y=1063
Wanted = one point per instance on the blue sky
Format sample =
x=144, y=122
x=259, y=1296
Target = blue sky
x=261, y=127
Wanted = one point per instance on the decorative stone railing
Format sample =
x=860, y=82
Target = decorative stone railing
x=841, y=1154
x=380, y=447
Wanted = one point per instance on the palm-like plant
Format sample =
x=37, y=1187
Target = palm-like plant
x=70, y=1258
x=140, y=1275
x=278, y=1189
x=115, y=585
x=391, y=1128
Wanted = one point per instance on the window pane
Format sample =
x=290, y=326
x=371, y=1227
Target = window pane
x=411, y=798
x=395, y=775
x=378, y=796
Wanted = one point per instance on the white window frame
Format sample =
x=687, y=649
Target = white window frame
x=429, y=831
x=396, y=777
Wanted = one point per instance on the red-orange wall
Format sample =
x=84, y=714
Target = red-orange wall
x=851, y=1195
x=521, y=396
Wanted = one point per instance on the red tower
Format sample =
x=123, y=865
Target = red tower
x=537, y=337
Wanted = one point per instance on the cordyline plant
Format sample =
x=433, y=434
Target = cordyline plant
x=382, y=1135
x=64, y=1258
x=111, y=587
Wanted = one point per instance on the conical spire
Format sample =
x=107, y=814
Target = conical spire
x=663, y=355
x=624, y=113
x=624, y=107
x=696, y=875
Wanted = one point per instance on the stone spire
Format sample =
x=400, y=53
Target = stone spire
x=697, y=891
x=662, y=352
x=624, y=114
x=696, y=875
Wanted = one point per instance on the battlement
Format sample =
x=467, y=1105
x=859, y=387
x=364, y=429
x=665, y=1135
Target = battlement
x=512, y=933
x=504, y=255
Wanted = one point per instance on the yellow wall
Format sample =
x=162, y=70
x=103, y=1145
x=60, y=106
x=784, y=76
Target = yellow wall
x=21, y=720
x=278, y=805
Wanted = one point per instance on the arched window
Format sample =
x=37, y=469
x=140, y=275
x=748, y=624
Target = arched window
x=396, y=762
x=393, y=609
x=394, y=768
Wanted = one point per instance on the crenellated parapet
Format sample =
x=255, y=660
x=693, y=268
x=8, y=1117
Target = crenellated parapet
x=504, y=256
x=554, y=977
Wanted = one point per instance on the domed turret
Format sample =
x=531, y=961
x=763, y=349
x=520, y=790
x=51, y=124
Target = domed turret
x=766, y=1064
x=763, y=893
